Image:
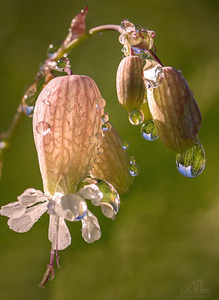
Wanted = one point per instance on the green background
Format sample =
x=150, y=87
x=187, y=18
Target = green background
x=166, y=234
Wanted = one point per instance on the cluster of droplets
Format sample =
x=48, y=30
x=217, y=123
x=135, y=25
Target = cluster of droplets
x=133, y=167
x=136, y=39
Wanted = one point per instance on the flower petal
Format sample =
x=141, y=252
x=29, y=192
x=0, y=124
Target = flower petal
x=31, y=196
x=26, y=221
x=59, y=234
x=90, y=228
x=13, y=210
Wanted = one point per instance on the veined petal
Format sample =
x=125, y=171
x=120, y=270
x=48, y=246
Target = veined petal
x=26, y=221
x=59, y=234
x=13, y=210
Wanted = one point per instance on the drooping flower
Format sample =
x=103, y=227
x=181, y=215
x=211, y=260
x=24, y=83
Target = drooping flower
x=80, y=157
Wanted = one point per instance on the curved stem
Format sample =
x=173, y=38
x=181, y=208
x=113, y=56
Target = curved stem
x=154, y=56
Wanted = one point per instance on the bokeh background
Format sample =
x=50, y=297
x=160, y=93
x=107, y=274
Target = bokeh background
x=166, y=234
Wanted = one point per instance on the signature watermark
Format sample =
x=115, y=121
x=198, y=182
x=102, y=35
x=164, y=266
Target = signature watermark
x=195, y=289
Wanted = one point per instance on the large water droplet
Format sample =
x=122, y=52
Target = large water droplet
x=149, y=132
x=134, y=169
x=101, y=193
x=136, y=117
x=153, y=74
x=100, y=103
x=43, y=127
x=192, y=162
x=90, y=228
x=64, y=62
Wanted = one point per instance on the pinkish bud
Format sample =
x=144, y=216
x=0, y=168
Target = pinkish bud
x=175, y=113
x=65, y=118
x=130, y=83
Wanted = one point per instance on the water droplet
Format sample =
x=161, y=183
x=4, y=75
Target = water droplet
x=46, y=102
x=93, y=139
x=43, y=127
x=136, y=117
x=125, y=145
x=134, y=170
x=153, y=74
x=149, y=132
x=100, y=103
x=132, y=160
x=53, y=48
x=105, y=117
x=90, y=228
x=64, y=63
x=101, y=193
x=192, y=162
x=106, y=126
x=3, y=144
x=99, y=150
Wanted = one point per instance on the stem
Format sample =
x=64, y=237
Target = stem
x=154, y=56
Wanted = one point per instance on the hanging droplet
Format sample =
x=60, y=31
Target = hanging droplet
x=106, y=126
x=132, y=160
x=136, y=117
x=43, y=127
x=125, y=145
x=134, y=170
x=105, y=117
x=101, y=193
x=53, y=48
x=90, y=228
x=63, y=63
x=100, y=103
x=192, y=162
x=153, y=74
x=149, y=132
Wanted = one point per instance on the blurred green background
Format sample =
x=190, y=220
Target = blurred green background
x=167, y=231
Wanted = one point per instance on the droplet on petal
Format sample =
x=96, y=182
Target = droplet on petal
x=149, y=132
x=106, y=126
x=134, y=170
x=100, y=103
x=192, y=162
x=136, y=117
x=153, y=74
x=125, y=145
x=31, y=196
x=43, y=128
x=105, y=117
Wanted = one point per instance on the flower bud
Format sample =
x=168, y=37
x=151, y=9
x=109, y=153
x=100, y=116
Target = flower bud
x=113, y=162
x=130, y=84
x=65, y=119
x=175, y=113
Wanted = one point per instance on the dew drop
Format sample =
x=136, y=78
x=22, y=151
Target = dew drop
x=106, y=126
x=93, y=139
x=125, y=145
x=100, y=103
x=136, y=117
x=3, y=144
x=99, y=150
x=149, y=132
x=46, y=102
x=105, y=117
x=153, y=74
x=132, y=160
x=43, y=127
x=134, y=170
x=53, y=48
x=192, y=162
x=64, y=62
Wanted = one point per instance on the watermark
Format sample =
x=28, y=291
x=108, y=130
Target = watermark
x=195, y=289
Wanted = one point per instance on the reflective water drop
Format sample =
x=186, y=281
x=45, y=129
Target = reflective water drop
x=136, y=117
x=46, y=102
x=43, y=127
x=105, y=117
x=99, y=150
x=132, y=160
x=153, y=74
x=3, y=144
x=101, y=193
x=106, y=126
x=53, y=48
x=100, y=103
x=192, y=162
x=149, y=132
x=64, y=62
x=125, y=145
x=134, y=170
